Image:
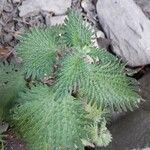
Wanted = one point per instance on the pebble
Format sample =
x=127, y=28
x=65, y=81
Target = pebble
x=16, y=1
x=8, y=38
x=8, y=8
x=58, y=7
x=57, y=20
x=100, y=34
x=87, y=5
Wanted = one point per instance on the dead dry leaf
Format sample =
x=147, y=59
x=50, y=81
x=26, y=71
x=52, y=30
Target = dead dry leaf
x=4, y=53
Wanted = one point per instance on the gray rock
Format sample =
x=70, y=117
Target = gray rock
x=145, y=90
x=8, y=7
x=57, y=20
x=132, y=131
x=8, y=38
x=145, y=6
x=2, y=3
x=128, y=28
x=58, y=7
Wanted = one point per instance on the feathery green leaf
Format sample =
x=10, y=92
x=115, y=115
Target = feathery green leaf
x=70, y=75
x=108, y=86
x=50, y=118
x=38, y=51
x=104, y=83
x=103, y=56
x=100, y=135
x=11, y=82
x=48, y=124
x=77, y=32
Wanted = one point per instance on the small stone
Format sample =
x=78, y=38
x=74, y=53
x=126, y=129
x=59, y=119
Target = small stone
x=88, y=59
x=95, y=43
x=8, y=8
x=16, y=1
x=6, y=17
x=145, y=86
x=57, y=20
x=58, y=7
x=2, y=3
x=100, y=34
x=36, y=21
x=99, y=40
x=144, y=4
x=1, y=29
x=9, y=27
x=103, y=43
x=48, y=19
x=7, y=38
x=3, y=127
x=90, y=10
x=87, y=5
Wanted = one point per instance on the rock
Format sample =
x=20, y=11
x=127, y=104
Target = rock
x=145, y=86
x=145, y=6
x=16, y=1
x=36, y=21
x=116, y=116
x=87, y=5
x=103, y=43
x=8, y=38
x=57, y=20
x=100, y=41
x=144, y=83
x=3, y=127
x=76, y=4
x=8, y=7
x=1, y=29
x=58, y=7
x=131, y=131
x=90, y=10
x=128, y=29
x=147, y=148
x=2, y=3
x=100, y=34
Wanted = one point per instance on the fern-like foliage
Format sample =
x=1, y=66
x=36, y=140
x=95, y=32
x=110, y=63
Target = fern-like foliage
x=49, y=124
x=71, y=74
x=77, y=33
x=109, y=87
x=104, y=83
x=51, y=118
x=103, y=56
x=11, y=82
x=99, y=133
x=38, y=50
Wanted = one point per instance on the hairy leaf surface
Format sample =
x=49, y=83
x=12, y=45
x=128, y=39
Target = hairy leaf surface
x=71, y=74
x=108, y=86
x=48, y=124
x=103, y=82
x=38, y=51
x=77, y=33
x=11, y=82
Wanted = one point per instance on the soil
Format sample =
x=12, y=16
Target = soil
x=12, y=142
